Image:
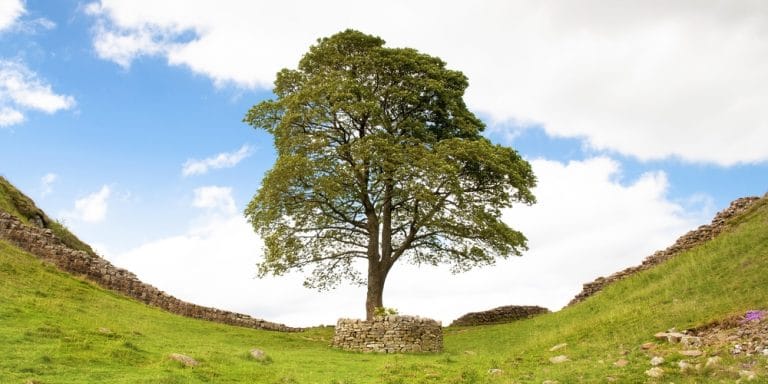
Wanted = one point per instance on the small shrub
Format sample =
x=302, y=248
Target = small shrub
x=384, y=311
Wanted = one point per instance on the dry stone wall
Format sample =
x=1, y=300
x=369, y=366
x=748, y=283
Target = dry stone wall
x=691, y=239
x=500, y=315
x=46, y=246
x=389, y=334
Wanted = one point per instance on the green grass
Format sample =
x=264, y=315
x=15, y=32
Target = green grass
x=50, y=321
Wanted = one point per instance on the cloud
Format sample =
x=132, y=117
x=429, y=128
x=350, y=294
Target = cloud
x=10, y=11
x=46, y=183
x=650, y=79
x=597, y=226
x=222, y=160
x=92, y=208
x=214, y=198
x=10, y=116
x=21, y=89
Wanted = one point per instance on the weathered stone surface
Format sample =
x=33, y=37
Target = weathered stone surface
x=685, y=366
x=558, y=359
x=657, y=360
x=655, y=372
x=648, y=346
x=691, y=239
x=690, y=342
x=258, y=354
x=45, y=245
x=389, y=334
x=184, y=359
x=691, y=352
x=500, y=315
x=621, y=363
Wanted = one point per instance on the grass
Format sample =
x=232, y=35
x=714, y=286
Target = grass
x=52, y=330
x=16, y=203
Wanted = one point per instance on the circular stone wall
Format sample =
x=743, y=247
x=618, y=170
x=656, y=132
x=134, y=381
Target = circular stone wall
x=389, y=334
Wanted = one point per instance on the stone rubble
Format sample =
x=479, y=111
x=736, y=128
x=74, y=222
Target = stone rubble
x=42, y=243
x=691, y=239
x=737, y=335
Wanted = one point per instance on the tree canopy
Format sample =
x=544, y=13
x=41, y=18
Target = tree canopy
x=379, y=159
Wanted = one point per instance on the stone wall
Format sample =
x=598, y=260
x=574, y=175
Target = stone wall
x=691, y=239
x=389, y=334
x=46, y=246
x=500, y=315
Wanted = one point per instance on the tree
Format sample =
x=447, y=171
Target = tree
x=379, y=159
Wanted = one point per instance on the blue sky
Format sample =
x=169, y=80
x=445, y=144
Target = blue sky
x=641, y=122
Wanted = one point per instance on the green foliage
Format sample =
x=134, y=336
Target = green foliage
x=379, y=158
x=384, y=311
x=49, y=331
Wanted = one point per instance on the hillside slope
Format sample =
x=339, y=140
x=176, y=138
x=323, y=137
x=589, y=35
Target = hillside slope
x=55, y=328
x=57, y=246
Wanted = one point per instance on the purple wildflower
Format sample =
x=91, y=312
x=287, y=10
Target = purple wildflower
x=754, y=316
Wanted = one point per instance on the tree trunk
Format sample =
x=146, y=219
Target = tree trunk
x=374, y=297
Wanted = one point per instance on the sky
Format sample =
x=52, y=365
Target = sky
x=641, y=119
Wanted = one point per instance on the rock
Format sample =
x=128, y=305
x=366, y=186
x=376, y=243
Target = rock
x=765, y=352
x=184, y=359
x=657, y=360
x=470, y=353
x=655, y=372
x=621, y=362
x=648, y=346
x=672, y=337
x=747, y=375
x=559, y=346
x=258, y=354
x=675, y=337
x=610, y=379
x=558, y=359
x=712, y=361
x=495, y=371
x=684, y=366
x=736, y=349
x=691, y=352
x=690, y=342
x=661, y=335
x=105, y=331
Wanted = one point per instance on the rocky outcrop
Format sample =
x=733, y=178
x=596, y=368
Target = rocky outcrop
x=691, y=239
x=45, y=245
x=389, y=334
x=500, y=315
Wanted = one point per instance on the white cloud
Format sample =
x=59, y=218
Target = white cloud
x=651, y=79
x=215, y=198
x=93, y=207
x=46, y=183
x=22, y=89
x=10, y=11
x=586, y=224
x=10, y=116
x=222, y=160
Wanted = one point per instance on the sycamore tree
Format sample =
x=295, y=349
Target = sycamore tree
x=379, y=160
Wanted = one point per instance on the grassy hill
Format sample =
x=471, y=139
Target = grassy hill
x=55, y=328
